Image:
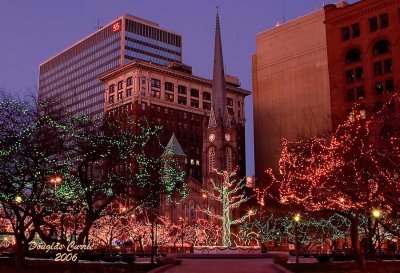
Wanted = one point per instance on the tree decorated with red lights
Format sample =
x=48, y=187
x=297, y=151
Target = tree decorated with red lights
x=229, y=191
x=347, y=172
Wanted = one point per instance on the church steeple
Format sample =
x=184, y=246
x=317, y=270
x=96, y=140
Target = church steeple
x=218, y=91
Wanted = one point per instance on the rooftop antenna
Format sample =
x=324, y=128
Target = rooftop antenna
x=283, y=12
x=98, y=25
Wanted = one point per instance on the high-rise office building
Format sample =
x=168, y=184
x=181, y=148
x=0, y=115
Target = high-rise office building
x=72, y=76
x=309, y=72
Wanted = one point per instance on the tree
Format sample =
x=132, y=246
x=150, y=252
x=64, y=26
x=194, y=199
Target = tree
x=230, y=193
x=346, y=172
x=32, y=142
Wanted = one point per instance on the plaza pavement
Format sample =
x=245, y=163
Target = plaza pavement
x=225, y=266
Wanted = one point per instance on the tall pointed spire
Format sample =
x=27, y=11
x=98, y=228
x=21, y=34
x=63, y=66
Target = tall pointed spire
x=218, y=91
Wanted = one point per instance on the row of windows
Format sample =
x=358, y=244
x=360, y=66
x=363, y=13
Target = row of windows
x=379, y=48
x=102, y=53
x=153, y=42
x=153, y=33
x=353, y=31
x=379, y=68
x=130, y=37
x=152, y=51
x=132, y=54
x=98, y=100
x=69, y=59
x=81, y=75
x=85, y=78
x=380, y=88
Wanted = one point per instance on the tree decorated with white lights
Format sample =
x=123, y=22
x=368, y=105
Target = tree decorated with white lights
x=229, y=192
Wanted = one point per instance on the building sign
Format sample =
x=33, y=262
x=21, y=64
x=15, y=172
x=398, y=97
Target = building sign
x=116, y=27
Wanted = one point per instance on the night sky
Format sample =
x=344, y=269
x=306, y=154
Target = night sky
x=32, y=31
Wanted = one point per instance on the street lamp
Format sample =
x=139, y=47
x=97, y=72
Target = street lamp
x=181, y=219
x=376, y=213
x=55, y=180
x=296, y=219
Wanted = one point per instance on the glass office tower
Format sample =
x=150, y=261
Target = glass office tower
x=72, y=76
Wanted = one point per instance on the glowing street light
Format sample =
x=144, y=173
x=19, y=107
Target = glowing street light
x=18, y=199
x=55, y=180
x=296, y=219
x=376, y=213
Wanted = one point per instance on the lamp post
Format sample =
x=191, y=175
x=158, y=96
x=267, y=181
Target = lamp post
x=181, y=218
x=376, y=214
x=296, y=219
x=55, y=180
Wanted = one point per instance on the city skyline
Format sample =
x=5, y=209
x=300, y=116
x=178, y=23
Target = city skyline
x=37, y=31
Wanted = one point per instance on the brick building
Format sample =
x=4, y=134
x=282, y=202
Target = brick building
x=309, y=72
x=205, y=118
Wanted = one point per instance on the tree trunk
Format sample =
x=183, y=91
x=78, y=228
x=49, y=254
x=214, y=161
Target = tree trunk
x=20, y=252
x=355, y=243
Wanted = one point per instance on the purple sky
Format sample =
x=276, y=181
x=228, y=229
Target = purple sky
x=34, y=30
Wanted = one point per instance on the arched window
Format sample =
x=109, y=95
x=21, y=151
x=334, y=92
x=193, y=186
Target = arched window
x=228, y=159
x=354, y=55
x=191, y=209
x=381, y=47
x=211, y=160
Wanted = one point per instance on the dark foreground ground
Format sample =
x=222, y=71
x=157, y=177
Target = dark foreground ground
x=41, y=266
x=348, y=267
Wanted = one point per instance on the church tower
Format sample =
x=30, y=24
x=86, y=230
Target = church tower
x=220, y=144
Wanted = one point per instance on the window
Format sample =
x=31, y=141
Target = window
x=119, y=95
x=387, y=64
x=351, y=95
x=194, y=103
x=379, y=88
x=346, y=33
x=111, y=88
x=120, y=85
x=350, y=76
x=169, y=97
x=356, y=30
x=182, y=100
x=360, y=92
x=182, y=89
x=384, y=20
x=206, y=106
x=373, y=24
x=129, y=81
x=381, y=47
x=155, y=83
x=206, y=96
x=211, y=160
x=229, y=101
x=228, y=159
x=143, y=106
x=389, y=85
x=354, y=55
x=111, y=99
x=155, y=94
x=129, y=92
x=359, y=73
x=194, y=92
x=377, y=68
x=169, y=86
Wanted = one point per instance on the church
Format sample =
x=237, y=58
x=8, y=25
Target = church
x=202, y=120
